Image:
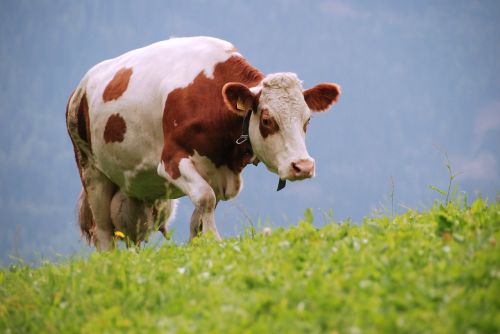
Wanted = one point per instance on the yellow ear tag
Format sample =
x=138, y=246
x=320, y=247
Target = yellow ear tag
x=240, y=105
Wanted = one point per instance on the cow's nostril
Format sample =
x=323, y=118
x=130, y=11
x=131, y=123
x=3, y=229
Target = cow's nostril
x=296, y=168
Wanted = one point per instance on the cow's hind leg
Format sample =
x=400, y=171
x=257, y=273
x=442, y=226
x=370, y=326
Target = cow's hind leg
x=100, y=191
x=95, y=201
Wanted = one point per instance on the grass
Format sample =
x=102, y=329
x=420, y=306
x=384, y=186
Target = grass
x=436, y=271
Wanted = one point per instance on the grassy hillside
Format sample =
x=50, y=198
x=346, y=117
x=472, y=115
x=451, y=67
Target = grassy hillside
x=421, y=272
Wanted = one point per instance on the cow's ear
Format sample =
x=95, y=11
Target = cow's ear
x=322, y=96
x=238, y=98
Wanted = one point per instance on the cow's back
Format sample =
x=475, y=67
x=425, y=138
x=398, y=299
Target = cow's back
x=126, y=97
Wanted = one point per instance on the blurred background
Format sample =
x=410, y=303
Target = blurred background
x=417, y=77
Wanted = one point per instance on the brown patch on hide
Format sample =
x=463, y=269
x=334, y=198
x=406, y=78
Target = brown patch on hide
x=197, y=118
x=78, y=123
x=84, y=121
x=115, y=129
x=118, y=85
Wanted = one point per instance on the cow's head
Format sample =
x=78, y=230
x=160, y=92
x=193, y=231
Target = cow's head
x=278, y=123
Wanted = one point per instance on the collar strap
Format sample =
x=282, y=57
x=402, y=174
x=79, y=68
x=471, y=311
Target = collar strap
x=244, y=130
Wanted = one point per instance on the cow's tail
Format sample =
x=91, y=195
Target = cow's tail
x=85, y=219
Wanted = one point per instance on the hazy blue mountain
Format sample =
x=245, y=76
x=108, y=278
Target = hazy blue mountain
x=414, y=74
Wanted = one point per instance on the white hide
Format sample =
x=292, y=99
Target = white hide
x=281, y=95
x=225, y=183
x=157, y=69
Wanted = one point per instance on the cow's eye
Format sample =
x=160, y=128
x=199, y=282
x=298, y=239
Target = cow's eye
x=268, y=124
x=306, y=124
x=266, y=121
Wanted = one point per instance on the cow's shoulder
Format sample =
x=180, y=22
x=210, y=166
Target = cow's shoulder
x=197, y=119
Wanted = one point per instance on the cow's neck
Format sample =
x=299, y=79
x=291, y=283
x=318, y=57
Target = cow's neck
x=244, y=138
x=242, y=146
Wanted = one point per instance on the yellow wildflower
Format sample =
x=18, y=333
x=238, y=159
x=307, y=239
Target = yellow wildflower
x=119, y=234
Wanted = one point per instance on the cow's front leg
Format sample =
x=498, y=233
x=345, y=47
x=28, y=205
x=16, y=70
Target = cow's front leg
x=191, y=183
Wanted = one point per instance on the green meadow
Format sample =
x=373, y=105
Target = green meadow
x=434, y=271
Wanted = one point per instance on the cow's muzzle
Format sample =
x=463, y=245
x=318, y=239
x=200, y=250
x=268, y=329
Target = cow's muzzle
x=301, y=169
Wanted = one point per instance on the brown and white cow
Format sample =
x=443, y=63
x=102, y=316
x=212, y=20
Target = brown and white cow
x=172, y=119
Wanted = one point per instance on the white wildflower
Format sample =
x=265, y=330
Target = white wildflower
x=284, y=244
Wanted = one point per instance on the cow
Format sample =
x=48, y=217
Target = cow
x=182, y=117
